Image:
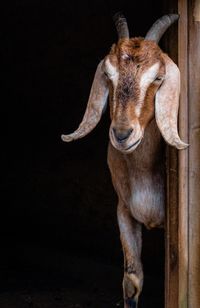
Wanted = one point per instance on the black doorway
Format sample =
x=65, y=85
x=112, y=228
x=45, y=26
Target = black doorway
x=59, y=234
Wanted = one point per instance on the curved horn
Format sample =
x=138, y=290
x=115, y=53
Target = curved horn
x=121, y=25
x=167, y=103
x=160, y=26
x=96, y=105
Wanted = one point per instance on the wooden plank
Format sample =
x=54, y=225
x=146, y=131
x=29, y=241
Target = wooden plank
x=183, y=226
x=194, y=154
x=183, y=158
x=171, y=226
x=177, y=205
x=171, y=233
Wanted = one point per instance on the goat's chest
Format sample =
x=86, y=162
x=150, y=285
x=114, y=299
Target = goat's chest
x=139, y=178
x=146, y=195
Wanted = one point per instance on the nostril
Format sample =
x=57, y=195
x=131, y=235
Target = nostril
x=122, y=135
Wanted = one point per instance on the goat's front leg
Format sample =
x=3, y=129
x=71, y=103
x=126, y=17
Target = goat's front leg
x=131, y=239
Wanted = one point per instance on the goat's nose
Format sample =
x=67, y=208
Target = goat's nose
x=122, y=134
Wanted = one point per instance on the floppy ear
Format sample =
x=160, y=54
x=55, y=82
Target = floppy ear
x=167, y=103
x=95, y=106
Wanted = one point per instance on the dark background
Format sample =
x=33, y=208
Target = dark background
x=58, y=231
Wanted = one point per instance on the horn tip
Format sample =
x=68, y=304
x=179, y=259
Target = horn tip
x=67, y=138
x=182, y=145
x=173, y=17
x=121, y=25
x=117, y=16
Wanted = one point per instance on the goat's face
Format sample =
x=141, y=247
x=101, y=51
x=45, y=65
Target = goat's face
x=142, y=82
x=135, y=70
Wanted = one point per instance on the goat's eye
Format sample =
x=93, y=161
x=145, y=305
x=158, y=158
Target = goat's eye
x=158, y=79
x=125, y=56
x=106, y=74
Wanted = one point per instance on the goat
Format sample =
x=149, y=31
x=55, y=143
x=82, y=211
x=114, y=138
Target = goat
x=143, y=84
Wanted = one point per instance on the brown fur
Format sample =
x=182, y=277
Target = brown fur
x=136, y=161
x=140, y=173
x=142, y=54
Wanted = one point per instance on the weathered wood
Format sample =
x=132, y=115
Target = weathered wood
x=171, y=227
x=194, y=154
x=183, y=158
x=171, y=234
x=182, y=285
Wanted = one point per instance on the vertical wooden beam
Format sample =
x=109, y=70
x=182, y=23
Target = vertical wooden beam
x=171, y=225
x=171, y=231
x=183, y=158
x=194, y=153
x=183, y=210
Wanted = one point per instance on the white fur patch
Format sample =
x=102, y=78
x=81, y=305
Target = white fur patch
x=146, y=79
x=112, y=72
x=149, y=76
x=113, y=75
x=138, y=108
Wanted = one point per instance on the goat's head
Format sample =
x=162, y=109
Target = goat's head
x=143, y=82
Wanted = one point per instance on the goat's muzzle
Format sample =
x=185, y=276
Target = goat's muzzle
x=126, y=139
x=121, y=135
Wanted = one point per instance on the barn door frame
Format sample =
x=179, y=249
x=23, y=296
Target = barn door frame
x=182, y=265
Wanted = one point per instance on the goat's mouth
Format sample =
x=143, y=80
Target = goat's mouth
x=133, y=146
x=128, y=145
x=127, y=149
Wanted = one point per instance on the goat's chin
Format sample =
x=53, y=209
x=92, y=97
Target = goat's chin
x=127, y=147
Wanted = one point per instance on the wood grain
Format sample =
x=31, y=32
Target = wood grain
x=183, y=158
x=194, y=157
x=171, y=227
x=182, y=282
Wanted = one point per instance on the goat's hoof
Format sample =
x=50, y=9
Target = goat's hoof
x=132, y=287
x=130, y=303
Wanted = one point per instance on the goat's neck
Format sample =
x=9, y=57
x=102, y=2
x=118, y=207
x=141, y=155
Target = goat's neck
x=150, y=152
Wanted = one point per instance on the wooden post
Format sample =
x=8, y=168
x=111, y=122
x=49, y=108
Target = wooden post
x=183, y=158
x=171, y=225
x=194, y=153
x=189, y=161
x=183, y=205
